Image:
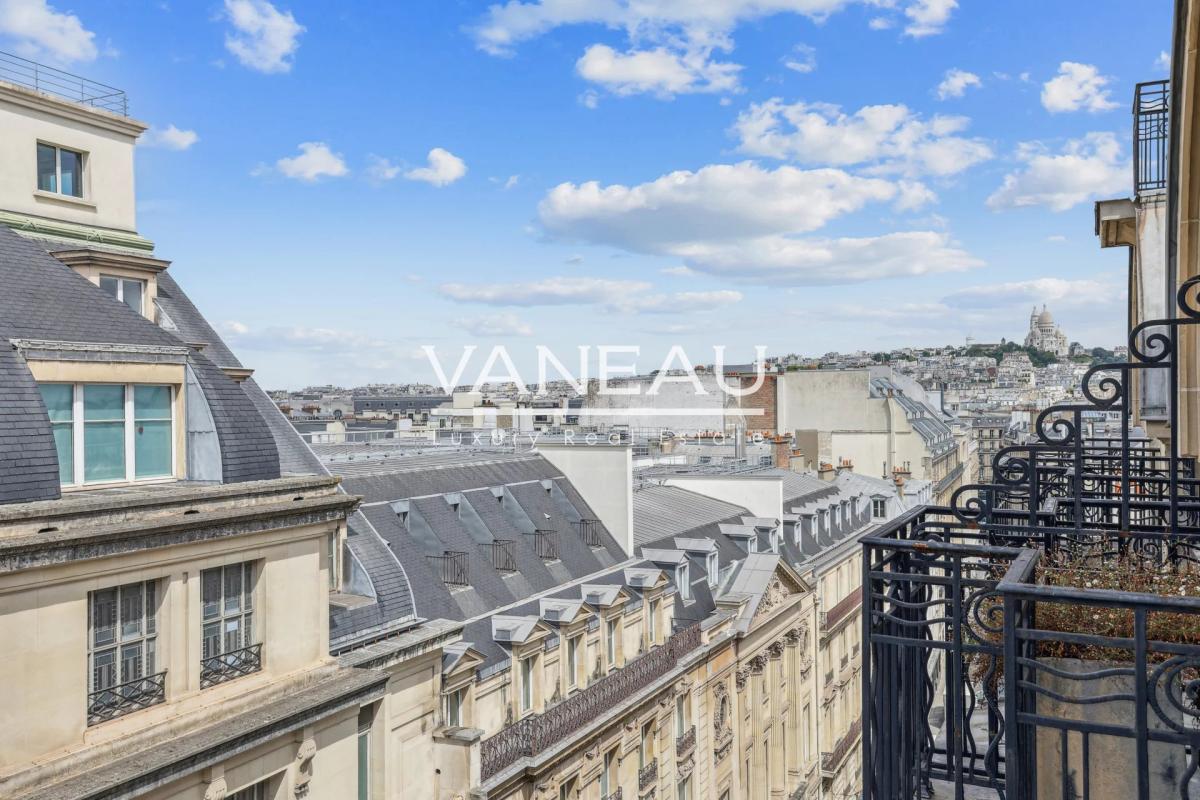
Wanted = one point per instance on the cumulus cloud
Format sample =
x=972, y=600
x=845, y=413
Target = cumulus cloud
x=169, y=138
x=679, y=272
x=444, y=169
x=315, y=161
x=623, y=296
x=928, y=17
x=745, y=222
x=1163, y=62
x=657, y=71
x=380, y=169
x=38, y=30
x=956, y=82
x=1078, y=87
x=263, y=37
x=494, y=325
x=886, y=138
x=1087, y=168
x=802, y=58
x=1058, y=291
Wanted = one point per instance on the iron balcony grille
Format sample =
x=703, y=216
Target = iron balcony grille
x=831, y=760
x=504, y=555
x=64, y=85
x=531, y=735
x=686, y=743
x=124, y=698
x=451, y=567
x=1150, y=148
x=231, y=665
x=545, y=544
x=647, y=775
x=589, y=531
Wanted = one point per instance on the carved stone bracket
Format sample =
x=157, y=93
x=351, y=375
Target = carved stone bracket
x=303, y=764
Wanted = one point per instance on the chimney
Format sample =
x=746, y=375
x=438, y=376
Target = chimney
x=783, y=451
x=845, y=465
x=826, y=472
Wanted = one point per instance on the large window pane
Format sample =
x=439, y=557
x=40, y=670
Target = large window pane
x=110, y=286
x=131, y=293
x=58, y=400
x=104, y=440
x=152, y=429
x=70, y=169
x=47, y=169
x=104, y=617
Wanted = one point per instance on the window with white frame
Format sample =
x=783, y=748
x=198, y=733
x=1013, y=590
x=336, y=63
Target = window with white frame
x=608, y=775
x=59, y=170
x=227, y=622
x=455, y=706
x=122, y=650
x=879, y=508
x=129, y=291
x=683, y=581
x=610, y=640
x=653, y=613
x=258, y=791
x=573, y=661
x=681, y=723
x=684, y=789
x=527, y=665
x=713, y=570
x=109, y=432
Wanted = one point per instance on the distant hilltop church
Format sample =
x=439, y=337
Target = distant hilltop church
x=1045, y=335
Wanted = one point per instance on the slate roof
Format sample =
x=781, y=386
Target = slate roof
x=660, y=512
x=43, y=299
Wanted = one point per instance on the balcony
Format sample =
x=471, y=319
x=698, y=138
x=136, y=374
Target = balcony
x=832, y=760
x=503, y=554
x=619, y=794
x=647, y=777
x=451, y=567
x=590, y=532
x=545, y=544
x=231, y=665
x=125, y=698
x=832, y=619
x=531, y=735
x=63, y=85
x=1151, y=106
x=686, y=743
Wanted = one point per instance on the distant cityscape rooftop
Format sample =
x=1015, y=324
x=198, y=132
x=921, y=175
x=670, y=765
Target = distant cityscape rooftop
x=64, y=85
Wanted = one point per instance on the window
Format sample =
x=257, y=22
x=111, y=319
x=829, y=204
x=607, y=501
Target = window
x=608, y=775
x=879, y=509
x=129, y=291
x=681, y=725
x=683, y=790
x=653, y=621
x=713, y=570
x=455, y=702
x=684, y=583
x=566, y=790
x=527, y=665
x=59, y=170
x=227, y=616
x=646, y=745
x=122, y=651
x=610, y=635
x=366, y=716
x=572, y=661
x=111, y=432
x=259, y=791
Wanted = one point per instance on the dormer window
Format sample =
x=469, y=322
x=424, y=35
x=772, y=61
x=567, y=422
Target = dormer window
x=59, y=170
x=713, y=570
x=683, y=580
x=879, y=509
x=129, y=291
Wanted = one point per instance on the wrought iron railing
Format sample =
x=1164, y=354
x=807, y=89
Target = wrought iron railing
x=648, y=775
x=533, y=734
x=48, y=80
x=124, y=698
x=686, y=743
x=619, y=794
x=832, y=759
x=1150, y=121
x=545, y=544
x=842, y=609
x=590, y=532
x=503, y=554
x=231, y=665
x=451, y=567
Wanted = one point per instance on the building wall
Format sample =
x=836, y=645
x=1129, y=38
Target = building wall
x=761, y=496
x=106, y=140
x=601, y=474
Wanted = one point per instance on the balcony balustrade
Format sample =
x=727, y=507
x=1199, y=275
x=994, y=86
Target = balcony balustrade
x=451, y=567
x=590, y=532
x=686, y=743
x=619, y=794
x=832, y=759
x=231, y=665
x=503, y=554
x=545, y=544
x=531, y=735
x=124, y=698
x=648, y=776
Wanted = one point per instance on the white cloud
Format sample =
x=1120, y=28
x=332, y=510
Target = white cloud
x=1088, y=167
x=956, y=82
x=1077, y=87
x=264, y=38
x=38, y=30
x=381, y=169
x=1056, y=291
x=590, y=99
x=511, y=182
x=169, y=138
x=623, y=296
x=802, y=58
x=1056, y=237
x=879, y=24
x=444, y=168
x=745, y=222
x=928, y=17
x=721, y=201
x=657, y=71
x=315, y=161
x=494, y=325
x=1163, y=62
x=891, y=138
x=680, y=271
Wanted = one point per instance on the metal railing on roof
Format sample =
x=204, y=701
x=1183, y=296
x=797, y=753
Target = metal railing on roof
x=1151, y=102
x=61, y=84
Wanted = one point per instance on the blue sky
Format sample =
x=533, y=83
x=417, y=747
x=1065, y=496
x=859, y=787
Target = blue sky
x=339, y=184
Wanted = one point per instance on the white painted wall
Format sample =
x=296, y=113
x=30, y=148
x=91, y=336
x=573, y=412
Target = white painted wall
x=761, y=495
x=106, y=140
x=603, y=475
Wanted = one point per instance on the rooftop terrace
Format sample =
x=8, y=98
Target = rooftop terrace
x=64, y=85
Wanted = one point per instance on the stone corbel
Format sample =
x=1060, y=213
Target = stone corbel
x=303, y=763
x=217, y=788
